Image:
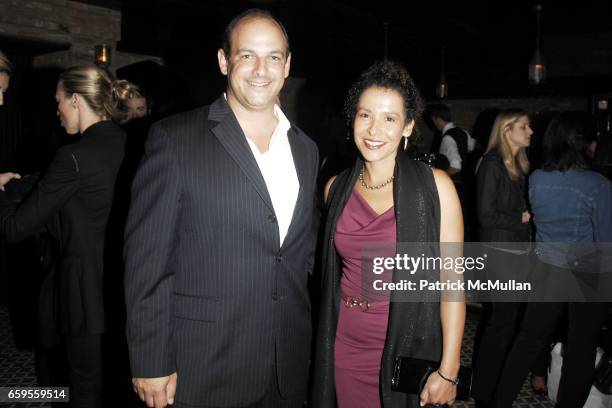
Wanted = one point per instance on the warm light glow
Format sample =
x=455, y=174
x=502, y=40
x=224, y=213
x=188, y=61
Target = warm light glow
x=102, y=55
x=537, y=69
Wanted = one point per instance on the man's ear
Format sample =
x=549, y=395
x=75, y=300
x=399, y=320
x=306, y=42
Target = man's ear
x=287, y=65
x=223, y=64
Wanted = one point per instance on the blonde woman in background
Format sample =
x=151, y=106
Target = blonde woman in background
x=78, y=186
x=503, y=217
x=6, y=70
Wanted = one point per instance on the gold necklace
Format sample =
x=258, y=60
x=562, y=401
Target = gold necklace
x=377, y=187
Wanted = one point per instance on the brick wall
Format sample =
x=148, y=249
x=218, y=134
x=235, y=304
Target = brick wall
x=79, y=26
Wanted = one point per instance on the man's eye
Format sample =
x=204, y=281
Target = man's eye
x=245, y=57
x=276, y=58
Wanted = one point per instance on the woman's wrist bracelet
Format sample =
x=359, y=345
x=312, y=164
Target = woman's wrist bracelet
x=454, y=382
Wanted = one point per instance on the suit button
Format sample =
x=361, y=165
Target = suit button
x=278, y=259
x=275, y=297
x=272, y=218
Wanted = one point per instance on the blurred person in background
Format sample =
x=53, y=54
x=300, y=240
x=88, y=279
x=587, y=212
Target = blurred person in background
x=79, y=187
x=137, y=105
x=503, y=217
x=572, y=208
x=6, y=70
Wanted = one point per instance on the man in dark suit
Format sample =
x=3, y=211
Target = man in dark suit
x=219, y=240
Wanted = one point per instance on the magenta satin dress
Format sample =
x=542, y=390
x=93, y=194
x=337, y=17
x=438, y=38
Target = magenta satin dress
x=360, y=335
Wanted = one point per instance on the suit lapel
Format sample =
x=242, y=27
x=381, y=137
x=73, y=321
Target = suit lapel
x=232, y=138
x=301, y=167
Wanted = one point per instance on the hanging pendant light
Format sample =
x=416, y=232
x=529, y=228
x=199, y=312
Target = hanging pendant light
x=442, y=85
x=537, y=65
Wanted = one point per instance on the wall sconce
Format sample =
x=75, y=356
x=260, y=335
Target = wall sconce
x=102, y=56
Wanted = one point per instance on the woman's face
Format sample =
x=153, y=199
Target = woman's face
x=519, y=135
x=4, y=84
x=67, y=110
x=380, y=123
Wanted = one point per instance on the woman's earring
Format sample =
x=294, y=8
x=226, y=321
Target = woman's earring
x=405, y=143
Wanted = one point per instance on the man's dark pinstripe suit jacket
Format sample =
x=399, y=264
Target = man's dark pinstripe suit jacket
x=210, y=292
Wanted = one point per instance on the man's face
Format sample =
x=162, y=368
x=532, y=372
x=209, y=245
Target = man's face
x=438, y=122
x=136, y=108
x=4, y=84
x=257, y=66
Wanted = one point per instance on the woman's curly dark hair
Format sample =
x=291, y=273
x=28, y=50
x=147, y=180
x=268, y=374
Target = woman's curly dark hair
x=387, y=75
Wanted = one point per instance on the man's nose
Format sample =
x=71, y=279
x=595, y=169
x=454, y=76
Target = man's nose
x=260, y=66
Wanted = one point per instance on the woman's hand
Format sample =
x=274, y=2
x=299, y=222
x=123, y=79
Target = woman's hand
x=6, y=177
x=438, y=391
x=526, y=217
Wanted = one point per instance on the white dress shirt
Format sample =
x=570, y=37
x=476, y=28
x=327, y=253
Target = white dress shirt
x=278, y=170
x=448, y=146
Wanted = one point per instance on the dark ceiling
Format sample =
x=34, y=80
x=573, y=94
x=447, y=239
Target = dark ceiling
x=488, y=44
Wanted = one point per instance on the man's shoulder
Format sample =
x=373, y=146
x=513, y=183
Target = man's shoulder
x=304, y=137
x=447, y=140
x=455, y=131
x=184, y=120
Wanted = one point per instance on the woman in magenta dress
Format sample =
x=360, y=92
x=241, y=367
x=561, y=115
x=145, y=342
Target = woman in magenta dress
x=384, y=200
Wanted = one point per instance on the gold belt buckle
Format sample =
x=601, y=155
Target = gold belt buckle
x=351, y=302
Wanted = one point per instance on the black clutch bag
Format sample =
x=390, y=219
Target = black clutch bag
x=410, y=375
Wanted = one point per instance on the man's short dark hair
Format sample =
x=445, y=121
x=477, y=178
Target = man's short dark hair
x=250, y=13
x=440, y=110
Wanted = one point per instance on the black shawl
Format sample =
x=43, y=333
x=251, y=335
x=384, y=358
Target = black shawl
x=414, y=327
